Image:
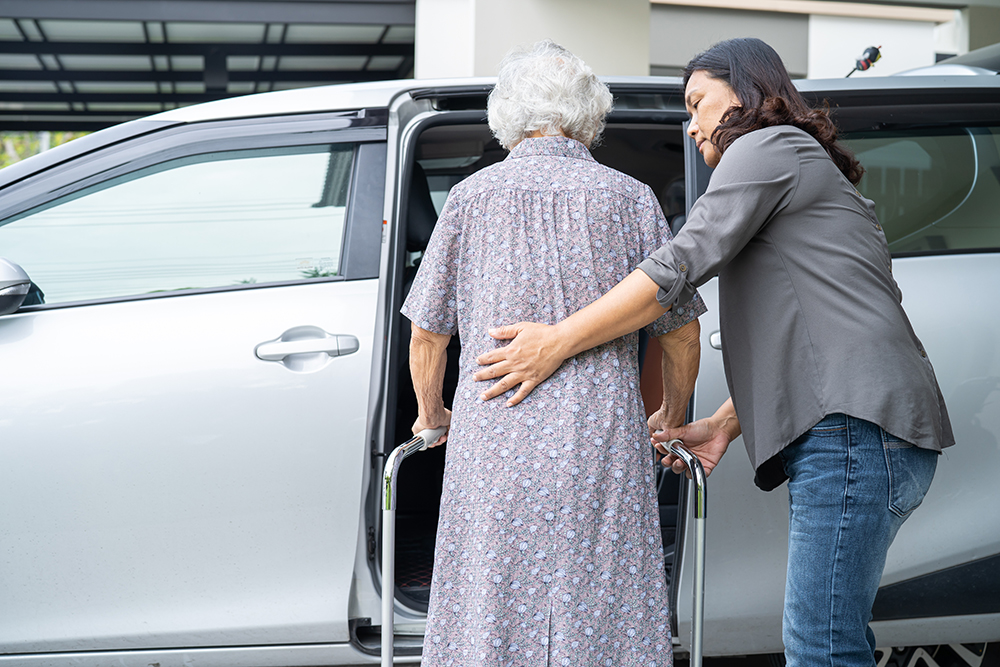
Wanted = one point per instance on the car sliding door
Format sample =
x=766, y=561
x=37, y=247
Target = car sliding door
x=184, y=408
x=936, y=188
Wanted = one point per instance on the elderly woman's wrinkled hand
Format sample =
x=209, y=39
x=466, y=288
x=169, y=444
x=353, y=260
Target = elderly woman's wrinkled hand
x=425, y=422
x=532, y=356
x=661, y=420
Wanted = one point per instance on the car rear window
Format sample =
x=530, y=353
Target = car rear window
x=935, y=190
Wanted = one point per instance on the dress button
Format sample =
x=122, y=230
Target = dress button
x=923, y=354
x=683, y=267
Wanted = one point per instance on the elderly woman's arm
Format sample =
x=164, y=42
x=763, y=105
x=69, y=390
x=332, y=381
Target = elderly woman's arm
x=428, y=359
x=679, y=367
x=539, y=349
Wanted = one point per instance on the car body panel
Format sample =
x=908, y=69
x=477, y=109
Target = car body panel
x=959, y=520
x=305, y=655
x=164, y=486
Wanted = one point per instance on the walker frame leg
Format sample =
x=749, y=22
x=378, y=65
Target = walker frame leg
x=390, y=473
x=697, y=494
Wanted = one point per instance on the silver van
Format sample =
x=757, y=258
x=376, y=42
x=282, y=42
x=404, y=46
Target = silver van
x=204, y=367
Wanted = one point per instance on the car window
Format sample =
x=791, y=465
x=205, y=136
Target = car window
x=206, y=221
x=935, y=190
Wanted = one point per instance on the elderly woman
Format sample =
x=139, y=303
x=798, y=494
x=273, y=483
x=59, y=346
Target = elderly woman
x=548, y=547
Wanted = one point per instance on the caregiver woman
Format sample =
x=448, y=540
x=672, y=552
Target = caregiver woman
x=829, y=385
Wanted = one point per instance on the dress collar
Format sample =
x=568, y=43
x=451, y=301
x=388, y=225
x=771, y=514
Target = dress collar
x=556, y=146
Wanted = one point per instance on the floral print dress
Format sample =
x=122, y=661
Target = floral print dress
x=548, y=546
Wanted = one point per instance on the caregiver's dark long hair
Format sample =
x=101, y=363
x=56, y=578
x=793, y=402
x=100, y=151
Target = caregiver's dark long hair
x=758, y=78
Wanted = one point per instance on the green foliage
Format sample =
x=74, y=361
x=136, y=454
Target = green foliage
x=318, y=273
x=16, y=146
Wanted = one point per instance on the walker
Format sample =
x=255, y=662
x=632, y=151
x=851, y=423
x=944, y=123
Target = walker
x=420, y=442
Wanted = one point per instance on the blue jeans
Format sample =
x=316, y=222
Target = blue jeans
x=851, y=485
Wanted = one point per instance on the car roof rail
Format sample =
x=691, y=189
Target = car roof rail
x=950, y=69
x=988, y=57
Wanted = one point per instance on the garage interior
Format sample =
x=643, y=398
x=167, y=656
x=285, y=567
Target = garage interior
x=83, y=65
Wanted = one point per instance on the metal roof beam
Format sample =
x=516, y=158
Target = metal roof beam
x=114, y=98
x=362, y=12
x=79, y=120
x=202, y=49
x=306, y=76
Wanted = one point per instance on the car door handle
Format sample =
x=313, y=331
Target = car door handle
x=335, y=345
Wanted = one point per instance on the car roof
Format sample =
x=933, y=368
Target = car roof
x=380, y=94
x=334, y=97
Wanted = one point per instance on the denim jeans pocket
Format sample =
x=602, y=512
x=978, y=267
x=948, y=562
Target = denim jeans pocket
x=831, y=425
x=911, y=470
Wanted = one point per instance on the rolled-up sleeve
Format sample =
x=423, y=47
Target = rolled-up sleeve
x=654, y=233
x=755, y=179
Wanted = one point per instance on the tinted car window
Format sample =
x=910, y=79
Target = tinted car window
x=934, y=190
x=205, y=221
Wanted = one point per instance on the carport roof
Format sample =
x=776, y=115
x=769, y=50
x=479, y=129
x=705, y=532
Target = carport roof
x=87, y=64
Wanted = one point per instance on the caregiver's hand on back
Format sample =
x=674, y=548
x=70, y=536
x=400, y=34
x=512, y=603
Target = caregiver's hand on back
x=537, y=350
x=533, y=354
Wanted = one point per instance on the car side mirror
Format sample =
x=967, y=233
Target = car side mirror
x=14, y=286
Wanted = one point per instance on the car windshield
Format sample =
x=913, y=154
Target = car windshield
x=935, y=190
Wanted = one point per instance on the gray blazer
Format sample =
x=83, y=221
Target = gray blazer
x=812, y=319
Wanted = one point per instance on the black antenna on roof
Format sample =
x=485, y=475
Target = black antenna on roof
x=867, y=59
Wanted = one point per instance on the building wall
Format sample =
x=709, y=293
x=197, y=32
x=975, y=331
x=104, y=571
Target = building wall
x=835, y=42
x=471, y=37
x=609, y=36
x=984, y=26
x=816, y=45
x=677, y=33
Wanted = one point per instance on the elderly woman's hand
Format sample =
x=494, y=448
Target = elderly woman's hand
x=434, y=421
x=661, y=420
x=534, y=354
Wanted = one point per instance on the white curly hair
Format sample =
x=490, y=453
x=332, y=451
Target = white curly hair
x=546, y=88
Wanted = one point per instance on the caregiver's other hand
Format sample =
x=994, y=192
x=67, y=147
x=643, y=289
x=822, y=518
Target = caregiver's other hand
x=700, y=438
x=708, y=439
x=534, y=353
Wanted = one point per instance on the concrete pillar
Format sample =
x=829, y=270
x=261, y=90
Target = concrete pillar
x=469, y=37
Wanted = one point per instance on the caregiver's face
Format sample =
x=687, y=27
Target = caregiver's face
x=707, y=100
